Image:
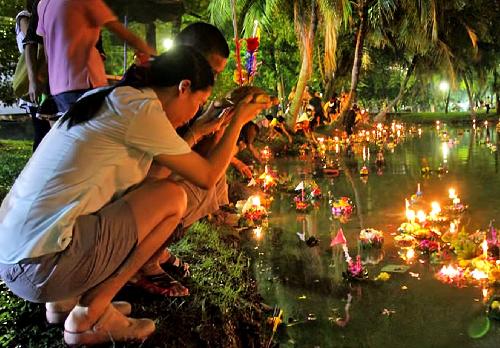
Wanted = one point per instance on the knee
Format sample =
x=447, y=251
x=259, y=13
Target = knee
x=179, y=196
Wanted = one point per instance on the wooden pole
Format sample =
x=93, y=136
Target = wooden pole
x=237, y=43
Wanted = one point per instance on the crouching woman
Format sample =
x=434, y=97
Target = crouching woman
x=79, y=221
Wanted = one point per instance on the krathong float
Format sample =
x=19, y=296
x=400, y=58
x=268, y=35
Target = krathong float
x=252, y=213
x=342, y=207
x=309, y=195
x=371, y=238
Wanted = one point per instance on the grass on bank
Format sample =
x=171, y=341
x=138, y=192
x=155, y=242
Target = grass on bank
x=223, y=309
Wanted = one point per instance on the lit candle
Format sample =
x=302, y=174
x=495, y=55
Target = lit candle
x=256, y=201
x=421, y=216
x=484, y=246
x=436, y=209
x=418, y=187
x=410, y=215
x=453, y=227
x=452, y=193
x=485, y=294
x=410, y=254
x=257, y=232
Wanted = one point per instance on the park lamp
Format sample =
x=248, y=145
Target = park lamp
x=444, y=86
x=168, y=43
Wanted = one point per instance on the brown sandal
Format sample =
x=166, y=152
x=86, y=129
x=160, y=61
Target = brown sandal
x=162, y=284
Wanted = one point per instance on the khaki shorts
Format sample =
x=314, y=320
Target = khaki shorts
x=100, y=244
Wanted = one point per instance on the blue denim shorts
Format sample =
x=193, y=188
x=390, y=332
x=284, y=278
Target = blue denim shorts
x=99, y=245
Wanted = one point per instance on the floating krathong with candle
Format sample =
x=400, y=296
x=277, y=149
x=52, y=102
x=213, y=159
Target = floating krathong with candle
x=308, y=196
x=371, y=238
x=451, y=274
x=252, y=212
x=428, y=246
x=342, y=207
x=265, y=154
x=456, y=206
x=405, y=240
x=268, y=179
x=436, y=215
x=355, y=270
x=363, y=171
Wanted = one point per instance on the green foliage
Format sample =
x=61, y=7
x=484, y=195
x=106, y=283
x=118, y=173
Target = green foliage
x=13, y=156
x=9, y=53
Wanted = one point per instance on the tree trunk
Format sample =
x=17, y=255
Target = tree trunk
x=447, y=101
x=496, y=90
x=151, y=34
x=277, y=75
x=358, y=55
x=176, y=26
x=469, y=94
x=381, y=116
x=305, y=38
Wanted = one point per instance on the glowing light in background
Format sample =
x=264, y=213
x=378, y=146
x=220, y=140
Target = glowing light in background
x=168, y=43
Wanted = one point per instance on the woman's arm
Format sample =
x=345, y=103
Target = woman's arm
x=206, y=172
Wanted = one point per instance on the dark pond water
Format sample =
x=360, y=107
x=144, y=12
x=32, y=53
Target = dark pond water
x=412, y=309
x=16, y=130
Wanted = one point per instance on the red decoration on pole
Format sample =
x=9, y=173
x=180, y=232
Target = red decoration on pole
x=237, y=43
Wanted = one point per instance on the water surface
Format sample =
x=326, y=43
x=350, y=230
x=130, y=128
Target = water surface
x=409, y=310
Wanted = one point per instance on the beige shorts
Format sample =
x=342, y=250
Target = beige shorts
x=100, y=244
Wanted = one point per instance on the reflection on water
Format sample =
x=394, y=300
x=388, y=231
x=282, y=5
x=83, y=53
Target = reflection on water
x=412, y=309
x=16, y=130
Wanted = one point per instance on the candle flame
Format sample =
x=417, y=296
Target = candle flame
x=452, y=193
x=436, y=208
x=478, y=274
x=453, y=227
x=410, y=254
x=484, y=246
x=410, y=215
x=421, y=216
x=485, y=293
x=450, y=271
x=257, y=231
x=256, y=201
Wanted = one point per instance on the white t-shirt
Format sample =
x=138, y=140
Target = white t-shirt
x=77, y=171
x=19, y=33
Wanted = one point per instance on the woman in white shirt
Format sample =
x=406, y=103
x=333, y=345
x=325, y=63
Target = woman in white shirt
x=79, y=221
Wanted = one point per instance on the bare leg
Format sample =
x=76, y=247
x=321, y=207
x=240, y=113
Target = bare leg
x=157, y=207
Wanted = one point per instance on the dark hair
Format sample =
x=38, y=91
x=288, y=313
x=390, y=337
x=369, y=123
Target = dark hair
x=168, y=69
x=248, y=133
x=29, y=4
x=281, y=119
x=205, y=38
x=269, y=117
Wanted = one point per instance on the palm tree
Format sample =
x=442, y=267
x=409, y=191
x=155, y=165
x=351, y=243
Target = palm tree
x=305, y=15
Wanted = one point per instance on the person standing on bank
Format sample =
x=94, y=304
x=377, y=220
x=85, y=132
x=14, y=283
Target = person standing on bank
x=40, y=127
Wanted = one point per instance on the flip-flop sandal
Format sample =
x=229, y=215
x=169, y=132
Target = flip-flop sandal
x=161, y=284
x=112, y=326
x=176, y=266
